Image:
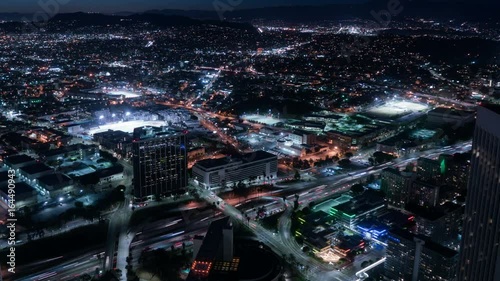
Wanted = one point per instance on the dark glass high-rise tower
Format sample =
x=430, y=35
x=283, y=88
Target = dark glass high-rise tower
x=480, y=249
x=160, y=162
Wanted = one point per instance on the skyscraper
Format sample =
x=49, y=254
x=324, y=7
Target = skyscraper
x=160, y=162
x=480, y=250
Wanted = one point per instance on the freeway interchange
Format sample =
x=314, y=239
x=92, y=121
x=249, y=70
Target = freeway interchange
x=178, y=229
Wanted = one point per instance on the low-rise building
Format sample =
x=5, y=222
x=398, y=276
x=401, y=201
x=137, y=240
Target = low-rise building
x=117, y=141
x=33, y=172
x=18, y=161
x=78, y=151
x=109, y=175
x=349, y=245
x=26, y=195
x=450, y=116
x=195, y=153
x=369, y=204
x=299, y=137
x=212, y=173
x=55, y=185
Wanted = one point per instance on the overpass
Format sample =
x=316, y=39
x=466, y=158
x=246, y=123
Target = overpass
x=361, y=275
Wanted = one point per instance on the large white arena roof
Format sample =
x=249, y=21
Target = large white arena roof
x=126, y=94
x=127, y=127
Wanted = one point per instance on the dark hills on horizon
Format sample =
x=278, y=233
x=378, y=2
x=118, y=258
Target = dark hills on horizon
x=478, y=11
x=460, y=10
x=72, y=21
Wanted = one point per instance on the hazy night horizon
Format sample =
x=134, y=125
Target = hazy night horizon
x=112, y=6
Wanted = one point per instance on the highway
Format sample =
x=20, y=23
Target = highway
x=161, y=234
x=67, y=269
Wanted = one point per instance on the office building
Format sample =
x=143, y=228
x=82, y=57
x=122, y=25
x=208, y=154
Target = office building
x=396, y=185
x=429, y=169
x=218, y=257
x=299, y=137
x=213, y=173
x=160, y=162
x=213, y=256
x=424, y=194
x=457, y=169
x=442, y=223
x=413, y=257
x=480, y=247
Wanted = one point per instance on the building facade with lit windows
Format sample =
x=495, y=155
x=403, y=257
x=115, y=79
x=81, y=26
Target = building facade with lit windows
x=218, y=256
x=429, y=169
x=424, y=194
x=215, y=254
x=411, y=257
x=369, y=204
x=442, y=223
x=480, y=247
x=160, y=162
x=213, y=173
x=396, y=185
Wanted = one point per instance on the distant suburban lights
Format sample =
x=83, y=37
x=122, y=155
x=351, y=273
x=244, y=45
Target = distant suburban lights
x=127, y=114
x=101, y=117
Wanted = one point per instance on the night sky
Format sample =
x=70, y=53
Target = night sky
x=144, y=5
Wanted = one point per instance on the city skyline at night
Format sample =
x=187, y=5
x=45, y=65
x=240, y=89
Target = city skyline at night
x=327, y=140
